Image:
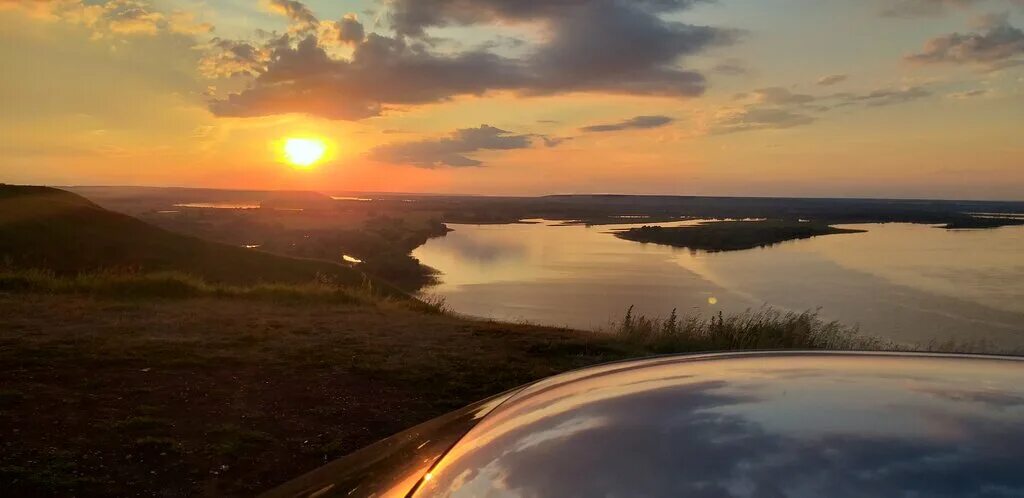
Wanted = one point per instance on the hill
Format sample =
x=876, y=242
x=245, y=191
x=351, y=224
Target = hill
x=58, y=231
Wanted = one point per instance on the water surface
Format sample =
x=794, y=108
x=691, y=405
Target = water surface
x=911, y=283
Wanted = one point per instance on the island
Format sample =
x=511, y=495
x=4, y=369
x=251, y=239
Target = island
x=715, y=236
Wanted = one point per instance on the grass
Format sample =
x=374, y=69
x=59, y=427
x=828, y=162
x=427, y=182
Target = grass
x=766, y=328
x=175, y=285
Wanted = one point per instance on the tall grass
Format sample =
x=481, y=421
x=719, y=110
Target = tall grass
x=173, y=285
x=765, y=328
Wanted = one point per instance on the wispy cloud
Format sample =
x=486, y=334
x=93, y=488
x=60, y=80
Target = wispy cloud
x=637, y=123
x=832, y=79
x=452, y=150
x=780, y=108
x=997, y=44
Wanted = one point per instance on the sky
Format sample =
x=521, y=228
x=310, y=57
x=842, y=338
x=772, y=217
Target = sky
x=809, y=98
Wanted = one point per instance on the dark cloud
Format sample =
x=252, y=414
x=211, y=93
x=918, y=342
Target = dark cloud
x=619, y=47
x=452, y=150
x=999, y=44
x=606, y=46
x=348, y=30
x=832, y=79
x=383, y=70
x=639, y=122
x=227, y=58
x=413, y=17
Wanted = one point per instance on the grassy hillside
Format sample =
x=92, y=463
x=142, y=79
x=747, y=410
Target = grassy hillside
x=55, y=230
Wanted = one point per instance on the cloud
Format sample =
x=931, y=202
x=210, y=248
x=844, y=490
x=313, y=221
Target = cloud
x=227, y=58
x=601, y=46
x=758, y=118
x=832, y=79
x=780, y=96
x=637, y=123
x=452, y=150
x=730, y=67
x=887, y=96
x=301, y=19
x=413, y=17
x=347, y=31
x=999, y=44
x=922, y=8
x=184, y=22
x=383, y=70
x=969, y=94
x=780, y=108
x=113, y=17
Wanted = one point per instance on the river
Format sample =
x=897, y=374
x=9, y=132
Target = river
x=910, y=283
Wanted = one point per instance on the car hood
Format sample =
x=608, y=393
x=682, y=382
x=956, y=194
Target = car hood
x=745, y=424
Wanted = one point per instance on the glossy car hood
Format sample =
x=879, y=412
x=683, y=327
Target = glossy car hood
x=717, y=425
x=752, y=425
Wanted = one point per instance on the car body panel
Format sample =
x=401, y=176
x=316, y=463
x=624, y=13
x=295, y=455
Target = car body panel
x=800, y=424
x=393, y=466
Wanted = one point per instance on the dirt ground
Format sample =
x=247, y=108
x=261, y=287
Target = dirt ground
x=228, y=397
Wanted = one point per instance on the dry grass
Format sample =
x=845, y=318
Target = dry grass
x=766, y=328
x=175, y=285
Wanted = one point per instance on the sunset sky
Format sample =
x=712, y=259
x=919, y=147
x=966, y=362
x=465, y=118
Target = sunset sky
x=860, y=98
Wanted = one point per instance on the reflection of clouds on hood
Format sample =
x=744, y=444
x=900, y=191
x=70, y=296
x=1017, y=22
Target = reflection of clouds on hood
x=993, y=399
x=708, y=438
x=684, y=451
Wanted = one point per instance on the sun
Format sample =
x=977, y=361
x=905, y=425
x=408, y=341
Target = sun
x=304, y=152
